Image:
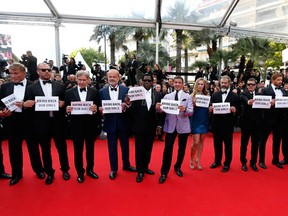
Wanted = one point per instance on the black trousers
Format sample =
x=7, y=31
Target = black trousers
x=168, y=151
x=2, y=169
x=219, y=138
x=276, y=132
x=246, y=133
x=143, y=146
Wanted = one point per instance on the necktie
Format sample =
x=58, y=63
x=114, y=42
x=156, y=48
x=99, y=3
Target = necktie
x=20, y=83
x=82, y=89
x=113, y=89
x=47, y=81
x=224, y=92
x=176, y=95
x=277, y=88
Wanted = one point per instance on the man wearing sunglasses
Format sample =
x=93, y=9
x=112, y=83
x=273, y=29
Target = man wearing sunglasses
x=48, y=124
x=250, y=124
x=144, y=123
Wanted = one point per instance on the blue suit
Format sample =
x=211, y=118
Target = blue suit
x=116, y=125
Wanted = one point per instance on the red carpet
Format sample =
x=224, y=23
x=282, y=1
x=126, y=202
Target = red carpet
x=206, y=192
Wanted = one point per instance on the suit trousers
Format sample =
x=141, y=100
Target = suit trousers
x=78, y=143
x=168, y=151
x=276, y=140
x=112, y=138
x=219, y=138
x=143, y=146
x=255, y=137
x=2, y=170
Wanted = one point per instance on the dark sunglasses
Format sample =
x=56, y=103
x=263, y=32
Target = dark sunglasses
x=250, y=84
x=147, y=80
x=44, y=70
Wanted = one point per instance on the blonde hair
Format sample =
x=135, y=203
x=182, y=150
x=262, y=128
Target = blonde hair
x=195, y=89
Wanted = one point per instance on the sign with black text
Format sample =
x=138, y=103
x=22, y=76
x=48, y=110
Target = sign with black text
x=170, y=106
x=262, y=101
x=202, y=100
x=43, y=103
x=221, y=108
x=112, y=106
x=81, y=107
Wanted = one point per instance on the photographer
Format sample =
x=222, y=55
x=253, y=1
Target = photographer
x=31, y=64
x=98, y=75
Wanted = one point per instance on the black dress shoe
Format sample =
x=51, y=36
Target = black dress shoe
x=149, y=172
x=139, y=177
x=284, y=162
x=92, y=174
x=49, y=179
x=179, y=172
x=130, y=169
x=162, y=179
x=66, y=176
x=279, y=165
x=225, y=169
x=244, y=167
x=215, y=165
x=41, y=175
x=112, y=175
x=80, y=178
x=263, y=165
x=5, y=176
x=254, y=167
x=15, y=180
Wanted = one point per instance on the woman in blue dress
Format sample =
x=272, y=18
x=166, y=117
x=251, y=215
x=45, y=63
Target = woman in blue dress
x=199, y=123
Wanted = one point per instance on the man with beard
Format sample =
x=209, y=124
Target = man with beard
x=223, y=124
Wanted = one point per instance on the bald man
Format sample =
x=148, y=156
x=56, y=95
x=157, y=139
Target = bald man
x=116, y=125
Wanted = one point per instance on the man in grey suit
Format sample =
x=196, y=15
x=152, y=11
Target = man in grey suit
x=176, y=125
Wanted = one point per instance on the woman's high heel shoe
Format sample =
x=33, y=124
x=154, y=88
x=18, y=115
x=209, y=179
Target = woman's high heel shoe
x=191, y=164
x=199, y=167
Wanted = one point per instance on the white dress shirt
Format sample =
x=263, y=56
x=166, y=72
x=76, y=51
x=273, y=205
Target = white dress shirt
x=19, y=92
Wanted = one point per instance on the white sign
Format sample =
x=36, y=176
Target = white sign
x=221, y=108
x=112, y=106
x=81, y=107
x=170, y=106
x=43, y=103
x=262, y=101
x=10, y=102
x=202, y=100
x=136, y=93
x=285, y=55
x=281, y=102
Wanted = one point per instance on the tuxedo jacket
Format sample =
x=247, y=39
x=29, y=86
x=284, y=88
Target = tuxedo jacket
x=58, y=89
x=225, y=122
x=181, y=121
x=8, y=89
x=79, y=122
x=273, y=115
x=249, y=117
x=142, y=117
x=115, y=121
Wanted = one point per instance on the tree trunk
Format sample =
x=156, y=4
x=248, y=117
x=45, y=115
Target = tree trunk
x=179, y=49
x=186, y=64
x=242, y=64
x=112, y=50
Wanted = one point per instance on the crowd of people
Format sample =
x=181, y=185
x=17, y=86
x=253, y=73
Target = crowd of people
x=23, y=119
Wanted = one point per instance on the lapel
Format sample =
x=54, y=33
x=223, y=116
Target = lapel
x=10, y=88
x=106, y=93
x=76, y=94
x=89, y=94
x=39, y=87
x=54, y=88
x=120, y=94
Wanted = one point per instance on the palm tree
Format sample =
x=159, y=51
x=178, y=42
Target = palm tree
x=147, y=51
x=223, y=55
x=116, y=36
x=180, y=12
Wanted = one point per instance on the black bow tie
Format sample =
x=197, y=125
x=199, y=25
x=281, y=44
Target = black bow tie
x=279, y=88
x=47, y=81
x=82, y=89
x=224, y=92
x=20, y=83
x=113, y=89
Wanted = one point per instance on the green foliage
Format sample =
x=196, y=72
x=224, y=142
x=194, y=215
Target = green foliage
x=199, y=64
x=89, y=55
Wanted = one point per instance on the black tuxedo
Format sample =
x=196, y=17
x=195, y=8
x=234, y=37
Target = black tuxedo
x=144, y=123
x=273, y=120
x=17, y=128
x=223, y=127
x=83, y=129
x=45, y=127
x=250, y=123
